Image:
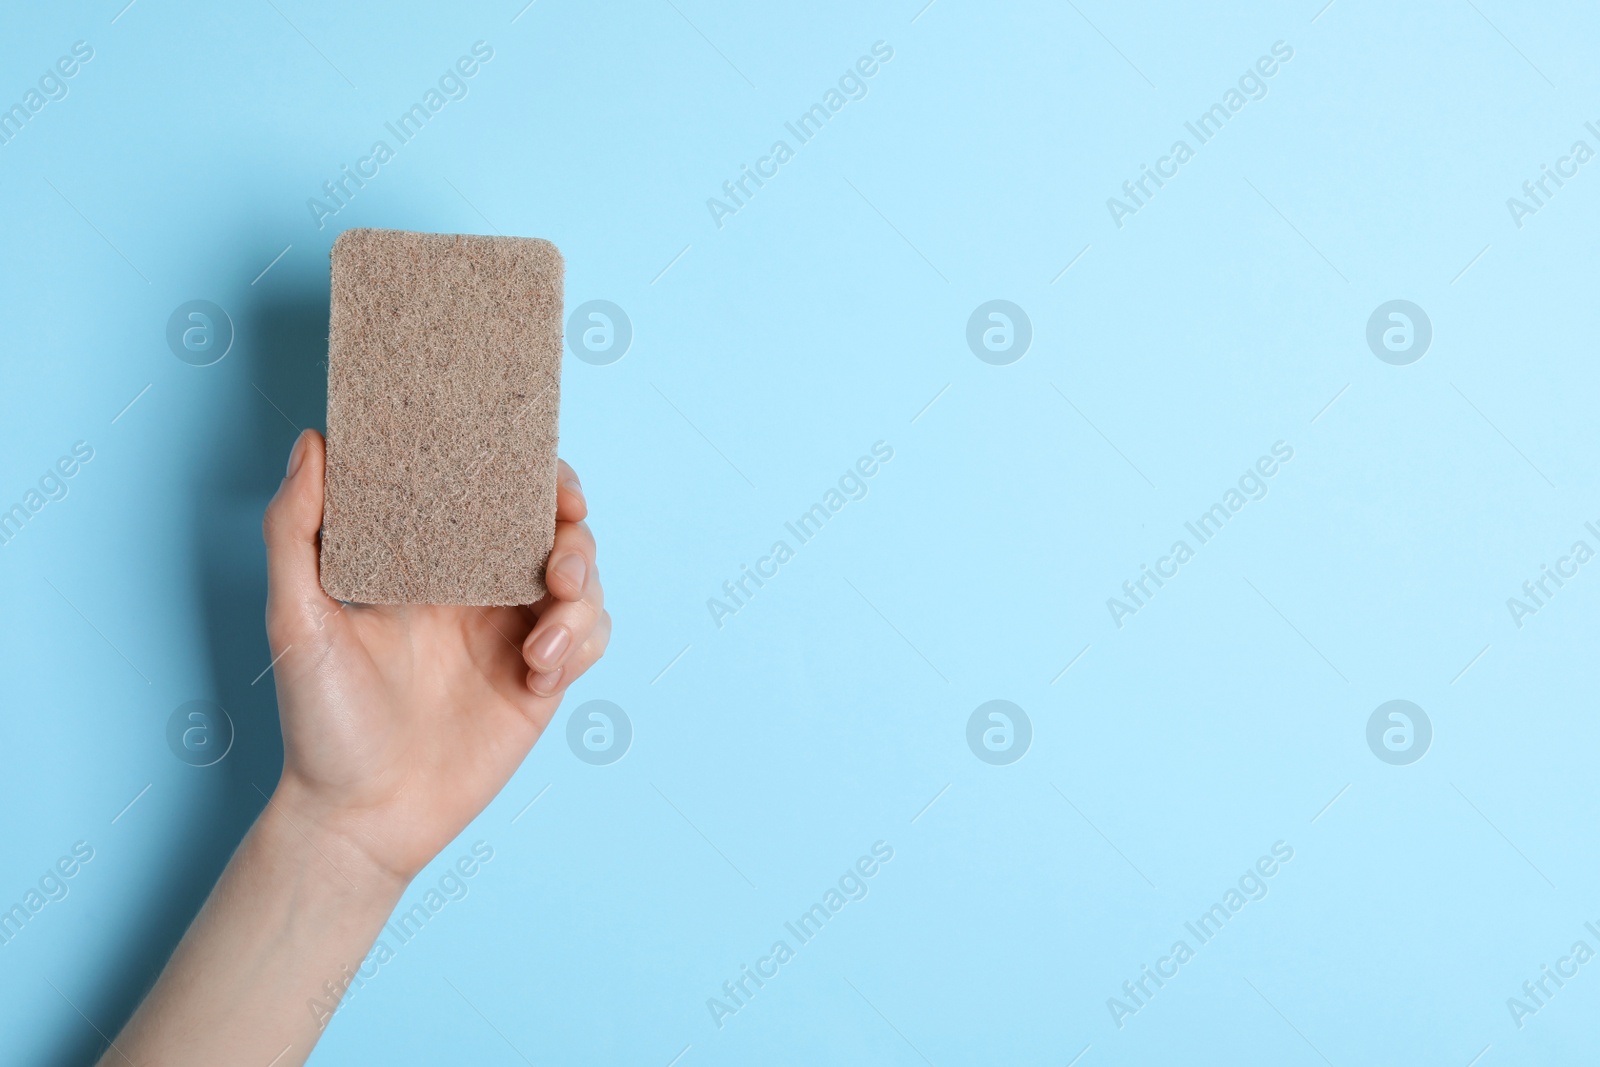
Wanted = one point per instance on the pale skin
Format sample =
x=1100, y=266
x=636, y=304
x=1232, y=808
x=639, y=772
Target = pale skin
x=400, y=724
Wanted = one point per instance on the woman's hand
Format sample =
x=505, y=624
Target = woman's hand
x=402, y=722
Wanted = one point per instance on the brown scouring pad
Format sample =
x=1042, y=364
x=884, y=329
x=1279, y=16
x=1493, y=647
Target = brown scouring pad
x=444, y=383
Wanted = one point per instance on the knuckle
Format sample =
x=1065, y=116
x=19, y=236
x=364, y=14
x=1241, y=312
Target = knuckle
x=599, y=639
x=275, y=520
x=571, y=539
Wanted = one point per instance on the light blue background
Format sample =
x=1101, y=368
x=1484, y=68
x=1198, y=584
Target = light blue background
x=826, y=715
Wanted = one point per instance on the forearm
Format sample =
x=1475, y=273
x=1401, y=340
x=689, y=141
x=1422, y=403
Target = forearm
x=295, y=908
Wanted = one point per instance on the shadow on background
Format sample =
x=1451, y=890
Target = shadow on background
x=275, y=382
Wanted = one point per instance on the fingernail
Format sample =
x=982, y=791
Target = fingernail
x=572, y=569
x=297, y=456
x=571, y=485
x=550, y=647
x=545, y=683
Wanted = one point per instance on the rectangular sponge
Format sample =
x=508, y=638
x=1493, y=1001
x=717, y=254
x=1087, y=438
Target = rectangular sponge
x=444, y=384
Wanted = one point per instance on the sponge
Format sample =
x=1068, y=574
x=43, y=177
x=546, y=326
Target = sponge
x=444, y=383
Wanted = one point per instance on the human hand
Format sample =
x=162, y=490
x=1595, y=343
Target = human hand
x=402, y=722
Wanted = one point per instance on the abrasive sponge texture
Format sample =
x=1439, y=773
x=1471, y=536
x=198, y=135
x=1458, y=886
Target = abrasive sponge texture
x=444, y=382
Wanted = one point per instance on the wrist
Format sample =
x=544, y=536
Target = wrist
x=302, y=829
x=265, y=962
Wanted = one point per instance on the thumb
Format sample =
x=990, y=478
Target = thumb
x=295, y=599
